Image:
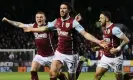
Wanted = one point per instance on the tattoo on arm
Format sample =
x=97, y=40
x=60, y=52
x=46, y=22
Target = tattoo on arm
x=125, y=41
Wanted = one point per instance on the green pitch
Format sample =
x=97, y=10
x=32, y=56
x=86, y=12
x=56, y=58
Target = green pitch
x=45, y=76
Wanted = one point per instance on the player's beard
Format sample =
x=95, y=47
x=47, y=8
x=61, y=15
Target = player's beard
x=64, y=16
x=103, y=24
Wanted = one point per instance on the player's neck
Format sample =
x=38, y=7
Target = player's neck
x=108, y=24
x=42, y=24
x=65, y=18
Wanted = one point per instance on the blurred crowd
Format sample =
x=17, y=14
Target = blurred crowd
x=15, y=38
x=15, y=56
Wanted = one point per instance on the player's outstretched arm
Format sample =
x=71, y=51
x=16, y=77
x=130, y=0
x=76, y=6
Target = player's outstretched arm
x=14, y=23
x=39, y=29
x=89, y=37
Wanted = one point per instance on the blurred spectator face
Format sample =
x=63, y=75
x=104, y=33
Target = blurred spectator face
x=81, y=44
x=11, y=56
x=40, y=19
x=132, y=52
x=102, y=20
x=132, y=49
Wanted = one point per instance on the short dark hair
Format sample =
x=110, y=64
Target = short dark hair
x=107, y=14
x=40, y=12
x=68, y=5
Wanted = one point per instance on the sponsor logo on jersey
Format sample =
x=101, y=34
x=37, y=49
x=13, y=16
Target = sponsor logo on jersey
x=62, y=33
x=40, y=36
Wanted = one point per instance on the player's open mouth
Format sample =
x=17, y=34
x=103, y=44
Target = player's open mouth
x=39, y=21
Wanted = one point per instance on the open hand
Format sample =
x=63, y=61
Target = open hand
x=103, y=44
x=78, y=17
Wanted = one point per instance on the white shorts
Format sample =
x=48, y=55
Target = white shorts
x=114, y=63
x=69, y=61
x=43, y=60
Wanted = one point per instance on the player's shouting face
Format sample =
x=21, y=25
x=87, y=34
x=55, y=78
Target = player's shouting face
x=40, y=19
x=64, y=11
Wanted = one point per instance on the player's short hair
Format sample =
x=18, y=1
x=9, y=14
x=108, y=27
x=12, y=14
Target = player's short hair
x=68, y=5
x=40, y=12
x=107, y=14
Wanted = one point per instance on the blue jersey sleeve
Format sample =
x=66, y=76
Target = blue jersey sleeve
x=51, y=24
x=117, y=32
x=77, y=26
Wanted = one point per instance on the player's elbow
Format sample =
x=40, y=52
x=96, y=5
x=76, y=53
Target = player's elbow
x=126, y=41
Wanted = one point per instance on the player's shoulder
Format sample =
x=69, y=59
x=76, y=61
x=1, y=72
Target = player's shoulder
x=115, y=28
x=118, y=25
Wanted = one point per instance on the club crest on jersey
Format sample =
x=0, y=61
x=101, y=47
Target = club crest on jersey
x=67, y=25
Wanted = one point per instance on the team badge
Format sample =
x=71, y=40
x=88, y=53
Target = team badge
x=67, y=25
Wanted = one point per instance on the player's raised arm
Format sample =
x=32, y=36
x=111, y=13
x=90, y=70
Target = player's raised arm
x=41, y=28
x=14, y=23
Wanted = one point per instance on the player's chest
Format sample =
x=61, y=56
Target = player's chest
x=63, y=26
x=107, y=35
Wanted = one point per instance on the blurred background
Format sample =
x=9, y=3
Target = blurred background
x=25, y=10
